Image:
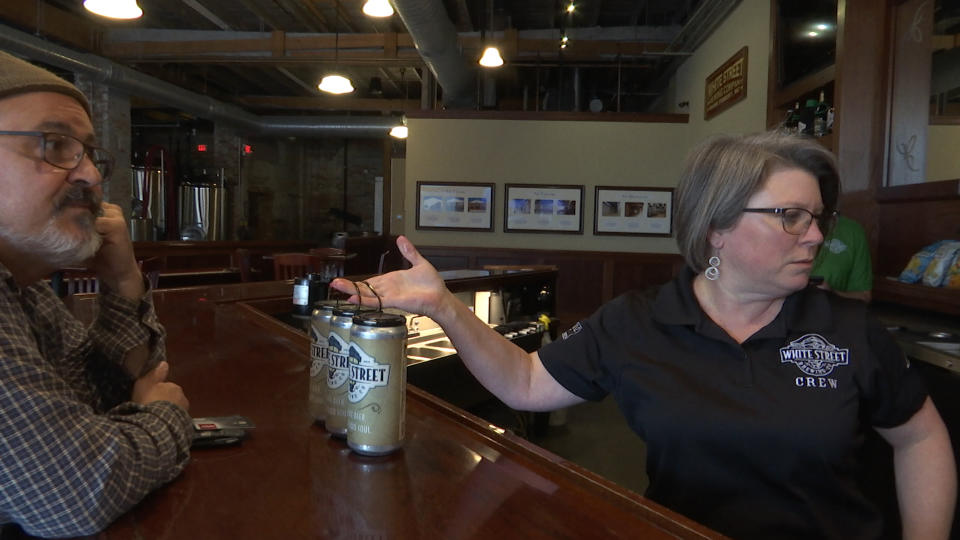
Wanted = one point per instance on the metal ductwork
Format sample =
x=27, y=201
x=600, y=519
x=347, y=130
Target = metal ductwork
x=707, y=17
x=139, y=84
x=700, y=24
x=435, y=38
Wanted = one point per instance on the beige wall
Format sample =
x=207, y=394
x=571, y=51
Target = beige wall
x=587, y=153
x=541, y=152
x=943, y=161
x=749, y=25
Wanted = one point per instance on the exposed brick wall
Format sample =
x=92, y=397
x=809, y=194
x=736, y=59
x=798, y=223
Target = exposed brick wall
x=297, y=182
x=111, y=121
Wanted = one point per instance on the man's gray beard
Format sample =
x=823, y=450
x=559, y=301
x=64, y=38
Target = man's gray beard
x=56, y=247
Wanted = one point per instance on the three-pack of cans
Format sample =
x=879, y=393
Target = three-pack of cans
x=358, y=375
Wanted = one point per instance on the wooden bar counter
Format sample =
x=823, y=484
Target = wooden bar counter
x=456, y=477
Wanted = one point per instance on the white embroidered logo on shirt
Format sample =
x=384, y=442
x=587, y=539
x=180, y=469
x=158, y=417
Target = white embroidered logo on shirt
x=575, y=329
x=835, y=245
x=814, y=355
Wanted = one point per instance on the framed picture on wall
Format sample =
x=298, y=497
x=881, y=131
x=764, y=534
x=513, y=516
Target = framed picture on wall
x=455, y=206
x=638, y=211
x=543, y=208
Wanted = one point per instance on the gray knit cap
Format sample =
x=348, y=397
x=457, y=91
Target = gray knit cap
x=19, y=77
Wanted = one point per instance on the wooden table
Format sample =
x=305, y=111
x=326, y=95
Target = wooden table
x=456, y=477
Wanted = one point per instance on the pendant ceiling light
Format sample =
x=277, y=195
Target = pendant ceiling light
x=115, y=9
x=378, y=8
x=335, y=83
x=491, y=57
x=400, y=131
x=491, y=54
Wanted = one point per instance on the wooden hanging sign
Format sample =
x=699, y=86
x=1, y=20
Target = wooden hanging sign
x=726, y=86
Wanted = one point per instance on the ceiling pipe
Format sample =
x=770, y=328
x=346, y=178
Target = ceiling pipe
x=139, y=84
x=435, y=38
x=698, y=27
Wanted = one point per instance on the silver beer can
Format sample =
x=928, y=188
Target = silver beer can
x=319, y=337
x=338, y=368
x=377, y=387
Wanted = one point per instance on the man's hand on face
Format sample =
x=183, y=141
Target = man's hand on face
x=115, y=263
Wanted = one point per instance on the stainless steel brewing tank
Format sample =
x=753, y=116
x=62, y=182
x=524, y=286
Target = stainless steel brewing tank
x=202, y=212
x=149, y=194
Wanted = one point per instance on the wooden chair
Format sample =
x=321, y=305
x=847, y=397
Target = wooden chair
x=291, y=265
x=75, y=281
x=151, y=268
x=519, y=267
x=82, y=280
x=333, y=259
x=242, y=260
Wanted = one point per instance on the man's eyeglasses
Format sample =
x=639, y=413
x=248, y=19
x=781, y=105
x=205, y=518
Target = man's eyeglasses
x=66, y=152
x=797, y=220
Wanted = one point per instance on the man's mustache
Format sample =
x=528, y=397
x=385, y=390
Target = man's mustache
x=83, y=196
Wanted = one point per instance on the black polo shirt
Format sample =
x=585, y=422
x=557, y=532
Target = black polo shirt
x=755, y=440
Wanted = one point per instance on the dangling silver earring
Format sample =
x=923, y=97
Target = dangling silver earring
x=712, y=273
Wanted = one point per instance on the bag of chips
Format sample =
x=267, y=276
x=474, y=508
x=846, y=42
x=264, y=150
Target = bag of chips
x=943, y=258
x=919, y=262
x=952, y=281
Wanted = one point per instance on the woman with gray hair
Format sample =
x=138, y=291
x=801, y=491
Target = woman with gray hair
x=752, y=389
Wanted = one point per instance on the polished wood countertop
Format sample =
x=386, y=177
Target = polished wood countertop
x=456, y=477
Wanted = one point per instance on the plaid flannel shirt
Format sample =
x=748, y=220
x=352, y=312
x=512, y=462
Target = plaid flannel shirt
x=75, y=453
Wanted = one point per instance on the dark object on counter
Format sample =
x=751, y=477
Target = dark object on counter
x=301, y=296
x=318, y=288
x=217, y=437
x=307, y=291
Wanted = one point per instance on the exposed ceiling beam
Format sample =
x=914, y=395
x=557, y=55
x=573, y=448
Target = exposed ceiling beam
x=207, y=14
x=262, y=14
x=461, y=19
x=332, y=103
x=357, y=49
x=312, y=20
x=45, y=20
x=385, y=77
x=311, y=89
x=255, y=78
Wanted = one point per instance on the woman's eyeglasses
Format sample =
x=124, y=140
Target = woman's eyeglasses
x=797, y=220
x=66, y=152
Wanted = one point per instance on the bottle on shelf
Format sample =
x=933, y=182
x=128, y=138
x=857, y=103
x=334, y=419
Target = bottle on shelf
x=805, y=124
x=792, y=119
x=820, y=124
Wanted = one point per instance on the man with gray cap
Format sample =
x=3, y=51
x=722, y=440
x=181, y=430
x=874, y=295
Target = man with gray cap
x=89, y=423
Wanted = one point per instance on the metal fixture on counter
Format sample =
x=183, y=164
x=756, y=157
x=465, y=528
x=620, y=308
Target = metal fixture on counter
x=149, y=203
x=937, y=347
x=203, y=210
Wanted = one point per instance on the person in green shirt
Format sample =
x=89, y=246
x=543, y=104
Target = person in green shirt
x=844, y=261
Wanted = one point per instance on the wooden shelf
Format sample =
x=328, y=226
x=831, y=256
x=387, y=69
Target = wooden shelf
x=937, y=299
x=828, y=142
x=788, y=95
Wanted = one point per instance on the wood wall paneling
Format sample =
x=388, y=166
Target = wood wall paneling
x=586, y=279
x=909, y=114
x=906, y=227
x=860, y=93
